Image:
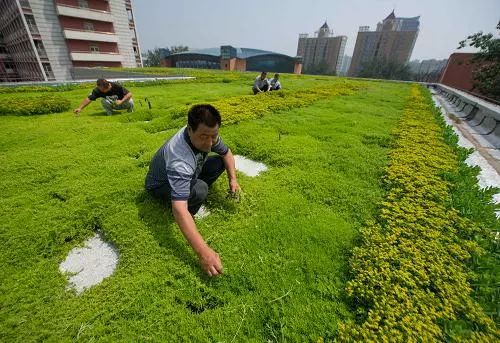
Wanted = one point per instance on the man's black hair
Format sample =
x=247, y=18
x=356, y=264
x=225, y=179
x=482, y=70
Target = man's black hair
x=203, y=114
x=102, y=83
x=263, y=72
x=276, y=75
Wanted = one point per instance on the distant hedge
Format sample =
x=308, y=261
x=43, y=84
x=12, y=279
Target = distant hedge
x=246, y=107
x=27, y=106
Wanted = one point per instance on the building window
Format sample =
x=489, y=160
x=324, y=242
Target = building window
x=48, y=70
x=136, y=51
x=88, y=26
x=130, y=15
x=30, y=20
x=94, y=48
x=40, y=48
x=83, y=3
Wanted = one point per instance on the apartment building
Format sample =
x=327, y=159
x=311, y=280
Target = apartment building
x=323, y=48
x=42, y=40
x=394, y=40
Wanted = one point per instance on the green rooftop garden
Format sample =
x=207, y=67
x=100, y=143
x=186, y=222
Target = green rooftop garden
x=367, y=225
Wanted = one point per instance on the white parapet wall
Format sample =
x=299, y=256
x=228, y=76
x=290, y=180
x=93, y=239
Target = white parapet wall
x=477, y=125
x=481, y=118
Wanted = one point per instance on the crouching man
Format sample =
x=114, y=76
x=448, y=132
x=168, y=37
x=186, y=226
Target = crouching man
x=113, y=97
x=275, y=83
x=261, y=83
x=181, y=173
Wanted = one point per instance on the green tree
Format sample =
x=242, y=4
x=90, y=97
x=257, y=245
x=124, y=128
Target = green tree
x=486, y=73
x=382, y=68
x=153, y=58
x=319, y=69
x=178, y=48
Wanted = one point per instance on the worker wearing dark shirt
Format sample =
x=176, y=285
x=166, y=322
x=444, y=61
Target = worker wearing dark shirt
x=113, y=97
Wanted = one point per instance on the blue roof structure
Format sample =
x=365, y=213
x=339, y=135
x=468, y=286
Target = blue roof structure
x=242, y=53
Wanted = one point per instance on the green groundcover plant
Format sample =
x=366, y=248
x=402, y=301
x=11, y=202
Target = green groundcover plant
x=410, y=277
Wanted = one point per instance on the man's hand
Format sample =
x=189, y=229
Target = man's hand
x=209, y=259
x=210, y=262
x=118, y=102
x=234, y=186
x=77, y=111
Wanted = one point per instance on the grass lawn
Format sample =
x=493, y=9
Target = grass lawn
x=284, y=246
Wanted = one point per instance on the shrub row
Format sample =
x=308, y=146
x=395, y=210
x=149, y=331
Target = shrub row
x=86, y=85
x=410, y=280
x=246, y=107
x=27, y=106
x=40, y=89
x=240, y=108
x=202, y=76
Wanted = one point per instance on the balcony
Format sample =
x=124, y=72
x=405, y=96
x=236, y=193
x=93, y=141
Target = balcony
x=95, y=56
x=84, y=13
x=42, y=54
x=34, y=29
x=50, y=75
x=94, y=36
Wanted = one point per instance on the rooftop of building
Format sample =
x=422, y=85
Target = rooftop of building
x=392, y=16
x=242, y=53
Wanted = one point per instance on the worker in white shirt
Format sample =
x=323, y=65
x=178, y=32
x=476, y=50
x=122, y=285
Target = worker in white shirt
x=261, y=83
x=275, y=83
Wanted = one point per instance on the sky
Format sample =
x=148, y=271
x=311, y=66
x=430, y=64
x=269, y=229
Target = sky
x=275, y=25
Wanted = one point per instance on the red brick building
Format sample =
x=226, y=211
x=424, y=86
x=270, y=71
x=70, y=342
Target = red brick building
x=458, y=71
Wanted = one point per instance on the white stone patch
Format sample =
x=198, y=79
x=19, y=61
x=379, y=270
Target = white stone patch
x=249, y=167
x=202, y=212
x=89, y=265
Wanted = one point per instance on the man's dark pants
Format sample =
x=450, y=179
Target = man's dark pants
x=264, y=88
x=212, y=169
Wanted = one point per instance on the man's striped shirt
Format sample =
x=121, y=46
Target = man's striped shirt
x=178, y=164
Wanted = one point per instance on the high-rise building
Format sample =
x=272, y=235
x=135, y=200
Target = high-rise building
x=393, y=40
x=322, y=50
x=344, y=68
x=41, y=40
